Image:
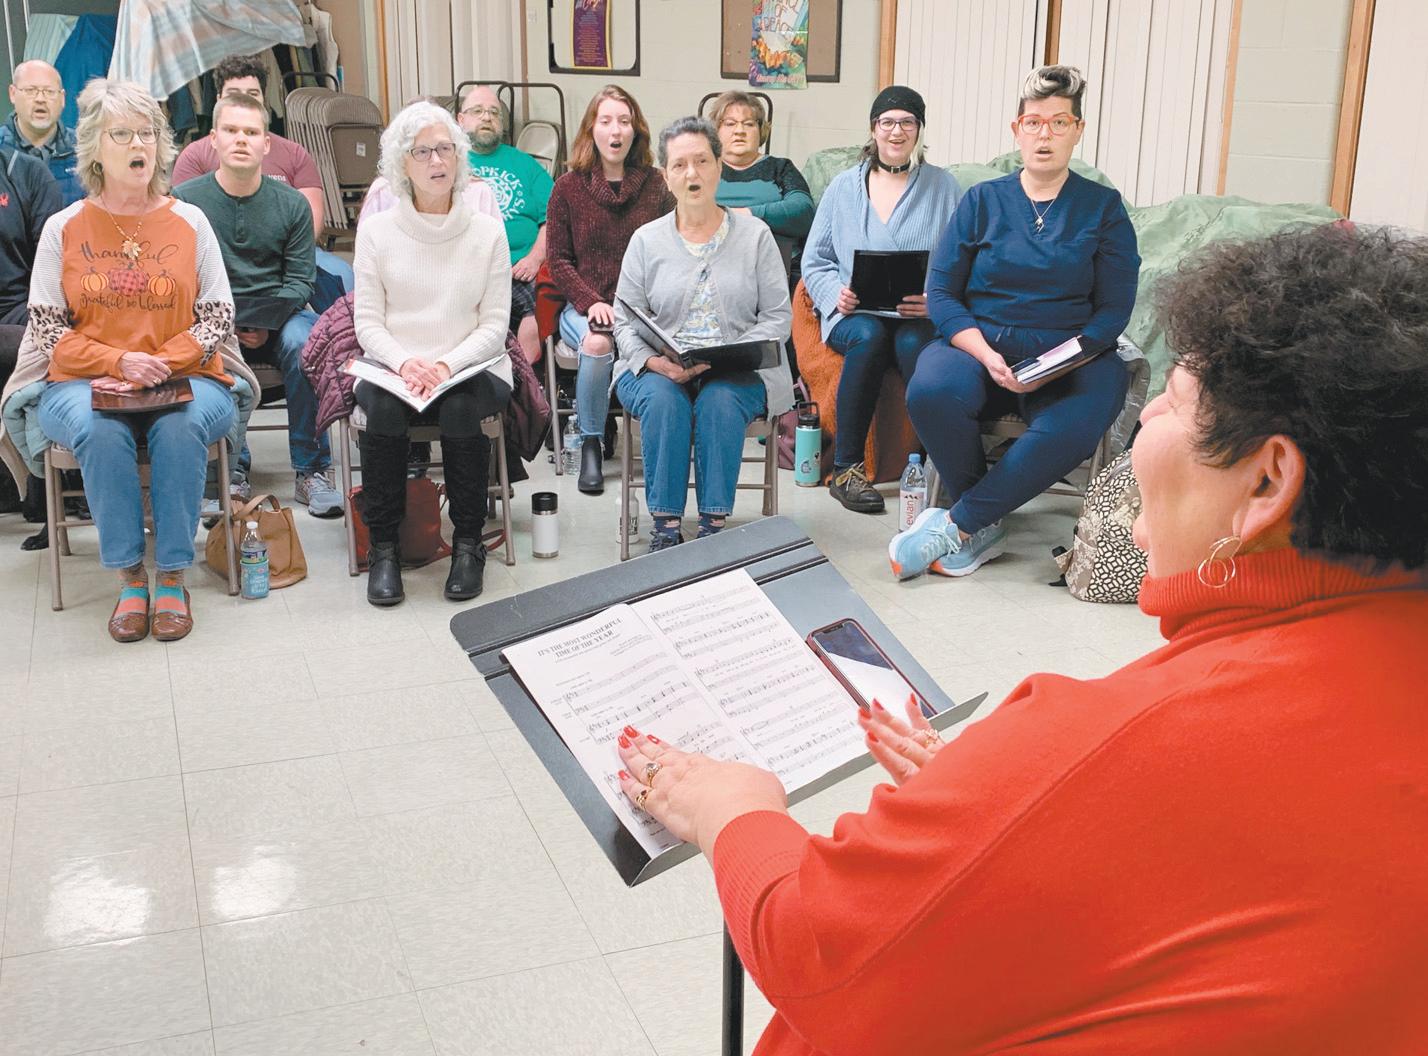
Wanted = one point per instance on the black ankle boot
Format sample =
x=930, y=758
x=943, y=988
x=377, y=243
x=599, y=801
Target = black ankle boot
x=592, y=471
x=384, y=575
x=468, y=569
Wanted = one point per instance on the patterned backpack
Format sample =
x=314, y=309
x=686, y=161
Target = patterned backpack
x=1104, y=564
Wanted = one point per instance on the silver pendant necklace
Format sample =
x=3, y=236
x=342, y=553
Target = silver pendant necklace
x=1041, y=213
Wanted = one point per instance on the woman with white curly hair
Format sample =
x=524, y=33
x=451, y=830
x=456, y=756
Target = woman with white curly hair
x=433, y=297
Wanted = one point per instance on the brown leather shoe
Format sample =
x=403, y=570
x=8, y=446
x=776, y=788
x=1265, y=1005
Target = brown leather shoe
x=171, y=620
x=130, y=620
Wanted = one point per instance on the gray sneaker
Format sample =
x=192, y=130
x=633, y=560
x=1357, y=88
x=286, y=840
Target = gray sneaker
x=239, y=489
x=315, y=491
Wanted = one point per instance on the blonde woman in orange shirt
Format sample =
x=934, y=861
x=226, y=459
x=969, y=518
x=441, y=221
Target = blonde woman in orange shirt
x=129, y=291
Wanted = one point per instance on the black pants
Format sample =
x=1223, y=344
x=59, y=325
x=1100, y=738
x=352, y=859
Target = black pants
x=465, y=453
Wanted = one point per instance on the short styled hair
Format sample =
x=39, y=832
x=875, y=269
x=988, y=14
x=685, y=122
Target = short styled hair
x=103, y=99
x=500, y=103
x=236, y=67
x=582, y=149
x=733, y=98
x=399, y=136
x=240, y=101
x=1046, y=82
x=1320, y=335
x=687, y=126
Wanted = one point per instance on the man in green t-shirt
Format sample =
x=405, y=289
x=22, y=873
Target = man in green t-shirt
x=522, y=188
x=264, y=229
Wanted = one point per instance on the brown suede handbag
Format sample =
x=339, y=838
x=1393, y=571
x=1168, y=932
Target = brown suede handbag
x=287, y=564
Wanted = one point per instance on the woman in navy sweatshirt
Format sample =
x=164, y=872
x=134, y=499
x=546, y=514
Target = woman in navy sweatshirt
x=1029, y=261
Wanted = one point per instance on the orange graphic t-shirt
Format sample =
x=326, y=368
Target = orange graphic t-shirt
x=165, y=301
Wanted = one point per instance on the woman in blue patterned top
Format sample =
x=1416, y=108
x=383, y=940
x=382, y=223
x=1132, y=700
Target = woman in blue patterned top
x=890, y=201
x=707, y=276
x=1029, y=261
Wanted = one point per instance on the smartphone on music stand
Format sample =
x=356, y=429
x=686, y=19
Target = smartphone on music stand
x=863, y=669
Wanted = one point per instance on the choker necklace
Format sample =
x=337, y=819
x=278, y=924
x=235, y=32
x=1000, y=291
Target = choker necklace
x=894, y=169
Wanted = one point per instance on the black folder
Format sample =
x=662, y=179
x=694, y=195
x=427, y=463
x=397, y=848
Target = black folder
x=882, y=278
x=722, y=359
x=261, y=312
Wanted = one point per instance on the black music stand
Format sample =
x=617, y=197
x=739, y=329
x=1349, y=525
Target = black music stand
x=804, y=585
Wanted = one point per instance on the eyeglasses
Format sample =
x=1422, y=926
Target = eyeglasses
x=125, y=136
x=1032, y=124
x=482, y=111
x=444, y=151
x=30, y=91
x=887, y=124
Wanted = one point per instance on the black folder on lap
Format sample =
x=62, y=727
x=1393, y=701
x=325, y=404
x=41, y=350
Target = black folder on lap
x=781, y=559
x=261, y=312
x=882, y=278
x=722, y=359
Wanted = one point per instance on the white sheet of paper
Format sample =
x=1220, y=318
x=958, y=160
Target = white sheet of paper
x=758, y=694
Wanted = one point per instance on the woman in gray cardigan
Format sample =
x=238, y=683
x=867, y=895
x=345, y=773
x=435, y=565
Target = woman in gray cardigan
x=708, y=277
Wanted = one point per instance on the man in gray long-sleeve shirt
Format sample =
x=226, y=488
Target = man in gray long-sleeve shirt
x=265, y=229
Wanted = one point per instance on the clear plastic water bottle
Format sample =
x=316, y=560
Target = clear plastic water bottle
x=570, y=446
x=253, y=563
x=911, y=492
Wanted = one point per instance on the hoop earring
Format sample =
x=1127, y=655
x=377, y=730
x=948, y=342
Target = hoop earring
x=1217, y=571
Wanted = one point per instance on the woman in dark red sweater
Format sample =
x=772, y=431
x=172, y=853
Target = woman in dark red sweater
x=1222, y=847
x=612, y=188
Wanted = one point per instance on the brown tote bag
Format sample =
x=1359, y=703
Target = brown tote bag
x=286, y=562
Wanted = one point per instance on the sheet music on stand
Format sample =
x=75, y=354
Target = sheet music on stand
x=713, y=667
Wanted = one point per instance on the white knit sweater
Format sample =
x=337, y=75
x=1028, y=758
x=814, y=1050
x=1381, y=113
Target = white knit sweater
x=438, y=287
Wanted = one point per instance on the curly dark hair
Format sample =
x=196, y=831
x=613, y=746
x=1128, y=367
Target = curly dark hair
x=237, y=66
x=1320, y=335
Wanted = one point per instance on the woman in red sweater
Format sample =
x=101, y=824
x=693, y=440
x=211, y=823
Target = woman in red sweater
x=612, y=188
x=1220, y=848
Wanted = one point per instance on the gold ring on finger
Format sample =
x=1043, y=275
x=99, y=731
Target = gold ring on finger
x=651, y=769
x=641, y=797
x=927, y=738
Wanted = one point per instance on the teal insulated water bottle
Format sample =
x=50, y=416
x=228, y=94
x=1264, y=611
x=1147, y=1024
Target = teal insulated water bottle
x=808, y=447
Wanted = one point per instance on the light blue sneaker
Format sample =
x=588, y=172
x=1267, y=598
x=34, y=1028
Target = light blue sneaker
x=932, y=536
x=973, y=553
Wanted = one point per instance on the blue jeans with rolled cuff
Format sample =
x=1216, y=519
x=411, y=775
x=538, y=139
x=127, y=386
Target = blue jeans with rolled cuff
x=714, y=414
x=592, y=377
x=950, y=392
x=107, y=446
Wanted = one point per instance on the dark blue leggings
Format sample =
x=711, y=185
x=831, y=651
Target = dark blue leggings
x=869, y=345
x=950, y=392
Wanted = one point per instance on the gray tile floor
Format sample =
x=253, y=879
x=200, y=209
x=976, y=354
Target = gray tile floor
x=308, y=829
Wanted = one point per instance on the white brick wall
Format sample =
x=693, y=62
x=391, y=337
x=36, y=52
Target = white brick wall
x=1286, y=111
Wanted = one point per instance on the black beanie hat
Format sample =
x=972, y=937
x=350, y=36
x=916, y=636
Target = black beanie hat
x=899, y=97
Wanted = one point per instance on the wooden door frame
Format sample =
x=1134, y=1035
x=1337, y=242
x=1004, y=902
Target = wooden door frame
x=1351, y=105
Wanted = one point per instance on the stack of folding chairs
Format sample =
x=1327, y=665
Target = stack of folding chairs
x=342, y=133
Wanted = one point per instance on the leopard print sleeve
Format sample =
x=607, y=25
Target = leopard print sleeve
x=48, y=324
x=212, y=323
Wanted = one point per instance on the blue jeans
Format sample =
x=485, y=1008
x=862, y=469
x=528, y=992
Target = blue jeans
x=869, y=345
x=308, y=451
x=107, y=448
x=950, y=392
x=716, y=417
x=592, y=377
x=334, y=278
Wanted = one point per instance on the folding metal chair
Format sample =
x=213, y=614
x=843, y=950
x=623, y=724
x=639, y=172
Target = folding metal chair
x=58, y=523
x=499, y=492
x=629, y=456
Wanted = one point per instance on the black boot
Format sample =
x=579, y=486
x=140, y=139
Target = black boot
x=384, y=575
x=466, y=463
x=468, y=569
x=592, y=471
x=384, y=504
